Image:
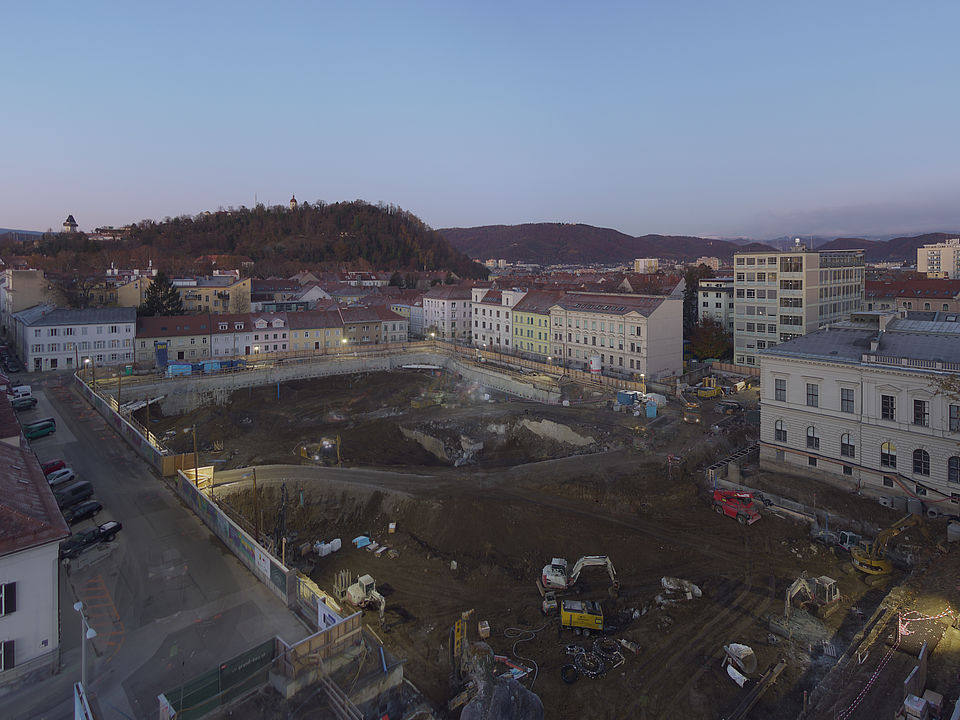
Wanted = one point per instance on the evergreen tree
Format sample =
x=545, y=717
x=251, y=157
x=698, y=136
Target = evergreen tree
x=161, y=298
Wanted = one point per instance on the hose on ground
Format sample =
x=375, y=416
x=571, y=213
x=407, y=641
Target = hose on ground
x=521, y=635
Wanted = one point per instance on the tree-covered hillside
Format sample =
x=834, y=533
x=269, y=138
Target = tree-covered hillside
x=281, y=241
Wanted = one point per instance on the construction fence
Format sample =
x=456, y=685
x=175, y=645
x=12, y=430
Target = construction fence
x=268, y=569
x=221, y=685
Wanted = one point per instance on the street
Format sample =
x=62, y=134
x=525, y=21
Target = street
x=168, y=601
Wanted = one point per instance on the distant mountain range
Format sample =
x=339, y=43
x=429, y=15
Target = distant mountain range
x=561, y=243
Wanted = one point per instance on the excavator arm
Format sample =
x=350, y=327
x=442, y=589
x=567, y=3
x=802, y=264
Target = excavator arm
x=593, y=561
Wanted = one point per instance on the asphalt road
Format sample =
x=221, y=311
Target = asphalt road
x=167, y=599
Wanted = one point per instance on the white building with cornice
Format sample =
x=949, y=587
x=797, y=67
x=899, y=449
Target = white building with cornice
x=858, y=402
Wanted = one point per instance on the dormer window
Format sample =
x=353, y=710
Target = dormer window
x=238, y=326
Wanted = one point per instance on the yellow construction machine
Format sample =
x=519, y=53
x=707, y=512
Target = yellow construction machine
x=871, y=556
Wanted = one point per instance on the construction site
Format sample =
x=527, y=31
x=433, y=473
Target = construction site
x=574, y=559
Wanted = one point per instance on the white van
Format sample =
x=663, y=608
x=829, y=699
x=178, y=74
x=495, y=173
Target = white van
x=20, y=391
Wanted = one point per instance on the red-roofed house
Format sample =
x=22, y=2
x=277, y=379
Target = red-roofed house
x=932, y=294
x=31, y=528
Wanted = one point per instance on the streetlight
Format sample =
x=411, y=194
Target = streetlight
x=88, y=634
x=93, y=370
x=256, y=509
x=193, y=429
x=643, y=383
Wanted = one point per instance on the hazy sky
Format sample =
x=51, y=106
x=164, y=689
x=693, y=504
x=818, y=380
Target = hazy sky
x=712, y=118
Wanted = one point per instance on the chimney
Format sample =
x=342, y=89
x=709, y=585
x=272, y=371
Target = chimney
x=875, y=343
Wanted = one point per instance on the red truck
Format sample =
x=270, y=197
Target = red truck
x=735, y=504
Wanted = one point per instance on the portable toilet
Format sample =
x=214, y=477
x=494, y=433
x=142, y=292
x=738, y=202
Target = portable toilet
x=651, y=409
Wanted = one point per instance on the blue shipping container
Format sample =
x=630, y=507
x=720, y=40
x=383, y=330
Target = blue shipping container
x=173, y=370
x=213, y=366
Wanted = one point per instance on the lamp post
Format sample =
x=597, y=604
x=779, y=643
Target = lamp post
x=93, y=370
x=193, y=429
x=643, y=383
x=256, y=509
x=88, y=634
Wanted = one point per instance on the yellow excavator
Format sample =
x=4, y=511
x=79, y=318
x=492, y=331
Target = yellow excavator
x=871, y=556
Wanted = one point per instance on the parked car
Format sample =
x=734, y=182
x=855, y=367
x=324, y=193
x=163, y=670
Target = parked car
x=729, y=407
x=39, y=430
x=82, y=511
x=43, y=421
x=72, y=494
x=24, y=403
x=61, y=478
x=52, y=466
x=76, y=544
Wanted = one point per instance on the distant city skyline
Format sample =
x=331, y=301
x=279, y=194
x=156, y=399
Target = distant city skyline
x=755, y=120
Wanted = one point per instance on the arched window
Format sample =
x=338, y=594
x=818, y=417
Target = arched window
x=926, y=306
x=813, y=442
x=921, y=462
x=779, y=431
x=846, y=446
x=888, y=455
x=953, y=469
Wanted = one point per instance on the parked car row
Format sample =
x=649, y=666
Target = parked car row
x=75, y=499
x=10, y=362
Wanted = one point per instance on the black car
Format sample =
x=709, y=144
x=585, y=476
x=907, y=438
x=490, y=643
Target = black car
x=81, y=511
x=76, y=544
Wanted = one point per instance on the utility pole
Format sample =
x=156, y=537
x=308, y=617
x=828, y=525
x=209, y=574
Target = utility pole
x=119, y=384
x=195, y=457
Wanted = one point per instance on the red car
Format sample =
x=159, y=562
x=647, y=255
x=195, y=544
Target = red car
x=52, y=466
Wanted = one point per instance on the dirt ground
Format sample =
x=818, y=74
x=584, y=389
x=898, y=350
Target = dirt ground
x=597, y=485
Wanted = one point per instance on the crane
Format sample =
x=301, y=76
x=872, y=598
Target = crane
x=557, y=575
x=871, y=557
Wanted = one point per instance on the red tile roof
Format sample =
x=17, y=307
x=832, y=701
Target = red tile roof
x=29, y=515
x=932, y=288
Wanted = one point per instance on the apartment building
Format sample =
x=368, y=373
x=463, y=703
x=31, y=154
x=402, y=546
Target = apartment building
x=491, y=317
x=215, y=294
x=711, y=262
x=19, y=290
x=531, y=324
x=860, y=402
x=932, y=294
x=317, y=330
x=49, y=338
x=779, y=296
x=645, y=266
x=193, y=338
x=446, y=308
x=940, y=260
x=715, y=301
x=31, y=528
x=630, y=335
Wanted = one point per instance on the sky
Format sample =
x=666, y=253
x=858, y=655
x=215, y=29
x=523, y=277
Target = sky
x=754, y=119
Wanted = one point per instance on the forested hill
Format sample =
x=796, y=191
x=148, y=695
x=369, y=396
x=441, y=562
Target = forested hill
x=281, y=241
x=549, y=243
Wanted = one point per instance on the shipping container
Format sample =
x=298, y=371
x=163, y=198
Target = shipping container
x=174, y=370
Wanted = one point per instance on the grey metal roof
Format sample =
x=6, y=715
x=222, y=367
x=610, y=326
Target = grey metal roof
x=904, y=338
x=85, y=316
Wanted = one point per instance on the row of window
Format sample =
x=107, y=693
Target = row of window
x=67, y=332
x=888, y=452
x=888, y=404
